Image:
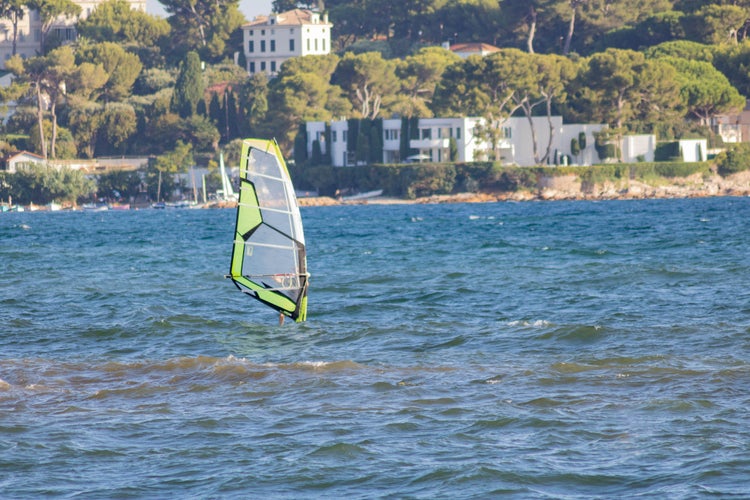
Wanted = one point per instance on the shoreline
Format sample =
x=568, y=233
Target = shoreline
x=560, y=188
x=571, y=188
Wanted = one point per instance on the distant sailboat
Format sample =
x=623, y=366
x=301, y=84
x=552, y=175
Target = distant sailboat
x=268, y=257
x=227, y=192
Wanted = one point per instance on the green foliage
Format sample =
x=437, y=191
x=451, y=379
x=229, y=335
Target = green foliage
x=40, y=184
x=575, y=147
x=604, y=145
x=118, y=184
x=667, y=151
x=122, y=67
x=733, y=160
x=204, y=26
x=369, y=81
x=317, y=156
x=300, y=146
x=189, y=87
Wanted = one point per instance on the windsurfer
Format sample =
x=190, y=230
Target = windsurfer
x=281, y=319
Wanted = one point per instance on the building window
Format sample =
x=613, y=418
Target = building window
x=333, y=135
x=273, y=66
x=308, y=45
x=345, y=135
x=324, y=44
x=291, y=31
x=252, y=46
x=263, y=65
x=291, y=45
x=252, y=67
x=316, y=45
x=262, y=45
x=458, y=132
x=426, y=133
x=273, y=45
x=262, y=32
x=251, y=32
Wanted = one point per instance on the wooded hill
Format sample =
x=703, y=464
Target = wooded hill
x=135, y=84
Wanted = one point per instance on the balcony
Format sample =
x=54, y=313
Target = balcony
x=429, y=143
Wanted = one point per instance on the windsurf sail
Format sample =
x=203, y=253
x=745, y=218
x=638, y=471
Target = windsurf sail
x=268, y=257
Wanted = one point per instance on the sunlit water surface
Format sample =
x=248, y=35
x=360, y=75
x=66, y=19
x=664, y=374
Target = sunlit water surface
x=557, y=349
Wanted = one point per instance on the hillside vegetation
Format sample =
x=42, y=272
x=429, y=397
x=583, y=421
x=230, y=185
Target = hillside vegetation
x=135, y=84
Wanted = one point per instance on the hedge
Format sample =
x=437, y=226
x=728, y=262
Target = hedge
x=425, y=179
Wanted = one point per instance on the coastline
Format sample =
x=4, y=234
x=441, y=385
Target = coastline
x=559, y=188
x=549, y=188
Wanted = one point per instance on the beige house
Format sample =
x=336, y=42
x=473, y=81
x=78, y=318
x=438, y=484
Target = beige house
x=12, y=163
x=733, y=127
x=29, y=29
x=271, y=40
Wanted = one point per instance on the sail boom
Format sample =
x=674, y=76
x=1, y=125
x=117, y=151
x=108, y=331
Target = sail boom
x=269, y=245
x=249, y=205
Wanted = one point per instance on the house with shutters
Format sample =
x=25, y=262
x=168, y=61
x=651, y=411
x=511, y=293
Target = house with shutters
x=268, y=41
x=26, y=38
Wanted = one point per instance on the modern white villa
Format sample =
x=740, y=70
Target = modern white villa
x=29, y=29
x=271, y=40
x=516, y=147
x=434, y=138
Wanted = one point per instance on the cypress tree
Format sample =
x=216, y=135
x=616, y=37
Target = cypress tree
x=327, y=156
x=376, y=141
x=189, y=88
x=404, y=139
x=352, y=125
x=300, y=146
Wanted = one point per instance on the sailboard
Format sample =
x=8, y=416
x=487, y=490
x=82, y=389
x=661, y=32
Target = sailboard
x=268, y=256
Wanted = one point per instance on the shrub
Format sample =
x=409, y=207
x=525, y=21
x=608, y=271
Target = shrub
x=733, y=160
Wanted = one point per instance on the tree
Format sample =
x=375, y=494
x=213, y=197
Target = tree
x=122, y=67
x=734, y=62
x=253, y=103
x=189, y=87
x=118, y=125
x=369, y=80
x=705, y=91
x=42, y=184
x=139, y=32
x=204, y=26
x=524, y=16
x=717, y=24
x=419, y=75
x=302, y=91
x=13, y=10
x=550, y=78
x=46, y=77
x=684, y=49
x=493, y=87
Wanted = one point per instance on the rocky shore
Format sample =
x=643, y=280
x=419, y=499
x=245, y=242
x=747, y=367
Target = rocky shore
x=571, y=188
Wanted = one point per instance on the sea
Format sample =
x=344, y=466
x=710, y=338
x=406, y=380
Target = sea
x=557, y=349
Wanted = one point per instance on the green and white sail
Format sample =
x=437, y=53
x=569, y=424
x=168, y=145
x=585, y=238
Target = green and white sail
x=268, y=257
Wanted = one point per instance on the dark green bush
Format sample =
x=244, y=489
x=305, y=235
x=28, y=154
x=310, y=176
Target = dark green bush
x=733, y=160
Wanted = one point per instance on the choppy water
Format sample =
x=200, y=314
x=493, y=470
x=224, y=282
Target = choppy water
x=544, y=350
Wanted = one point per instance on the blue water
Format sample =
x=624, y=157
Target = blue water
x=543, y=350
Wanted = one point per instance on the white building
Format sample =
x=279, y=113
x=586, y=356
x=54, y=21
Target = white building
x=271, y=40
x=29, y=29
x=12, y=163
x=434, y=138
